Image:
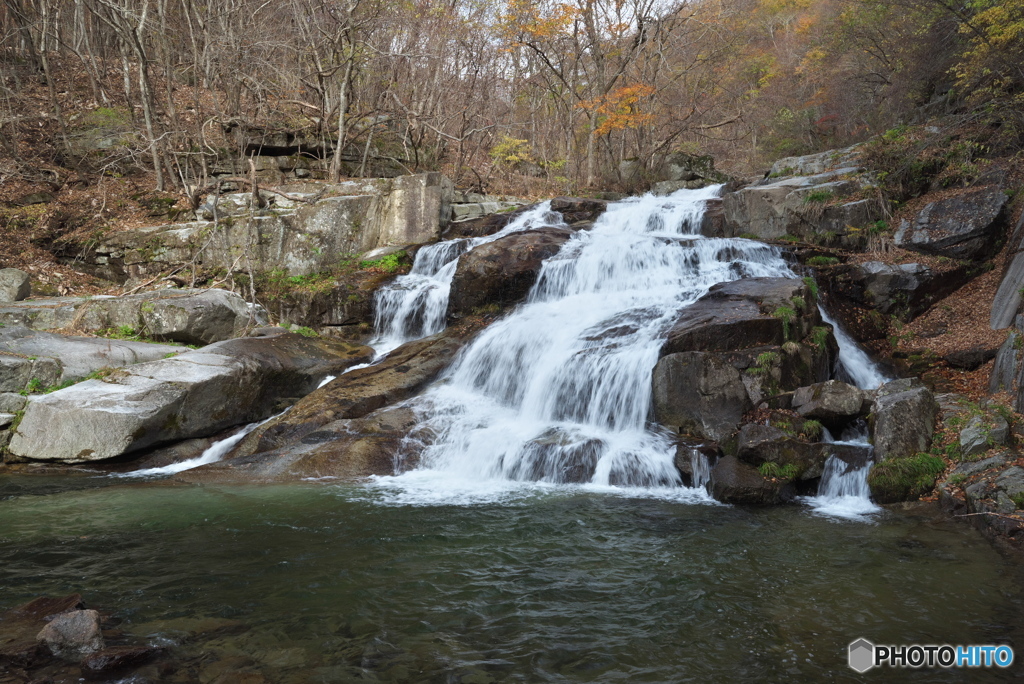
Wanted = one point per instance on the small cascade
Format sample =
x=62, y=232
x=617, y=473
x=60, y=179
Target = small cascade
x=864, y=373
x=843, y=491
x=700, y=468
x=559, y=390
x=415, y=304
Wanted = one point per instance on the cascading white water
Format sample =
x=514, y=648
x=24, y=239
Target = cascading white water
x=415, y=304
x=843, y=491
x=700, y=468
x=559, y=390
x=864, y=372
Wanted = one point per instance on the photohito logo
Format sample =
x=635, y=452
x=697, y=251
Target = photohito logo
x=864, y=655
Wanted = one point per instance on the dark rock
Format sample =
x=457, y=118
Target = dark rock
x=402, y=374
x=738, y=483
x=966, y=226
x=741, y=314
x=48, y=607
x=73, y=635
x=757, y=444
x=24, y=653
x=116, y=659
x=502, y=272
x=903, y=290
x=970, y=359
x=1006, y=303
x=576, y=209
x=686, y=452
x=699, y=394
x=902, y=419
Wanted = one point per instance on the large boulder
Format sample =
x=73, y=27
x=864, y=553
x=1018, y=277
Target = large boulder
x=347, y=449
x=73, y=635
x=402, y=374
x=740, y=344
x=823, y=203
x=194, y=394
x=832, y=402
x=49, y=359
x=902, y=419
x=735, y=482
x=14, y=285
x=903, y=290
x=1006, y=303
x=965, y=226
x=502, y=272
x=186, y=316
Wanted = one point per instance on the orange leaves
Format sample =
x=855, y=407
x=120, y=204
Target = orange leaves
x=619, y=108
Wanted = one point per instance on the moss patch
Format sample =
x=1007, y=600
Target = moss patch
x=905, y=479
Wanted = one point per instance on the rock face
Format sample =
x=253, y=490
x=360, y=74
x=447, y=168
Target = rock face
x=735, y=482
x=502, y=272
x=358, y=393
x=1007, y=371
x=903, y=290
x=902, y=419
x=73, y=635
x=741, y=343
x=812, y=198
x=49, y=359
x=186, y=316
x=297, y=237
x=14, y=285
x=965, y=226
x=982, y=433
x=191, y=395
x=1006, y=304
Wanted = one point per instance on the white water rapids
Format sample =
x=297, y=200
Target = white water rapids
x=558, y=391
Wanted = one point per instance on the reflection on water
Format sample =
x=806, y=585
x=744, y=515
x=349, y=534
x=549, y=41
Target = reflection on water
x=340, y=584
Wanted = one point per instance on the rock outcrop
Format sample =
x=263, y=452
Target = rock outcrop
x=744, y=341
x=502, y=272
x=902, y=419
x=194, y=394
x=965, y=226
x=186, y=316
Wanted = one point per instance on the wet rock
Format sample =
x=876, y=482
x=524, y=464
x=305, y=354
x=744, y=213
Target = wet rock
x=757, y=444
x=117, y=659
x=194, y=394
x=902, y=419
x=502, y=272
x=744, y=313
x=982, y=433
x=965, y=226
x=405, y=372
x=14, y=285
x=383, y=443
x=834, y=403
x=73, y=635
x=739, y=483
x=698, y=393
x=23, y=653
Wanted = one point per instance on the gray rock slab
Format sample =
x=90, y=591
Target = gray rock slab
x=195, y=394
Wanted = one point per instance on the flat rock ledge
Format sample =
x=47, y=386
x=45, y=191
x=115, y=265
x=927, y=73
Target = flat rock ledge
x=194, y=394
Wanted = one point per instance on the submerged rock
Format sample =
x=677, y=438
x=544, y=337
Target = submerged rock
x=194, y=394
x=114, y=659
x=73, y=635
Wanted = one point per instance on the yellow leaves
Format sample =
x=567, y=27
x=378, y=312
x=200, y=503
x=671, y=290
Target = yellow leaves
x=511, y=151
x=536, y=22
x=619, y=109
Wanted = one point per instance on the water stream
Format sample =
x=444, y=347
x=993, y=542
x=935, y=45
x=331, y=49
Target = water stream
x=558, y=391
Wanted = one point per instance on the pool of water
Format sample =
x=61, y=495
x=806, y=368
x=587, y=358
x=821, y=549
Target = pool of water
x=353, y=583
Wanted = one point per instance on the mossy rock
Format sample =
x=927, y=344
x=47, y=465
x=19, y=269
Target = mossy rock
x=904, y=479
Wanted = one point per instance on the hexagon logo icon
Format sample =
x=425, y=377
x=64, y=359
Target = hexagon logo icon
x=862, y=655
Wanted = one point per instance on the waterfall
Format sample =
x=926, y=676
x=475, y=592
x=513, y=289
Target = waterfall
x=864, y=372
x=700, y=468
x=843, y=491
x=415, y=304
x=559, y=390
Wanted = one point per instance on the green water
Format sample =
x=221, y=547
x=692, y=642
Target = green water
x=334, y=584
